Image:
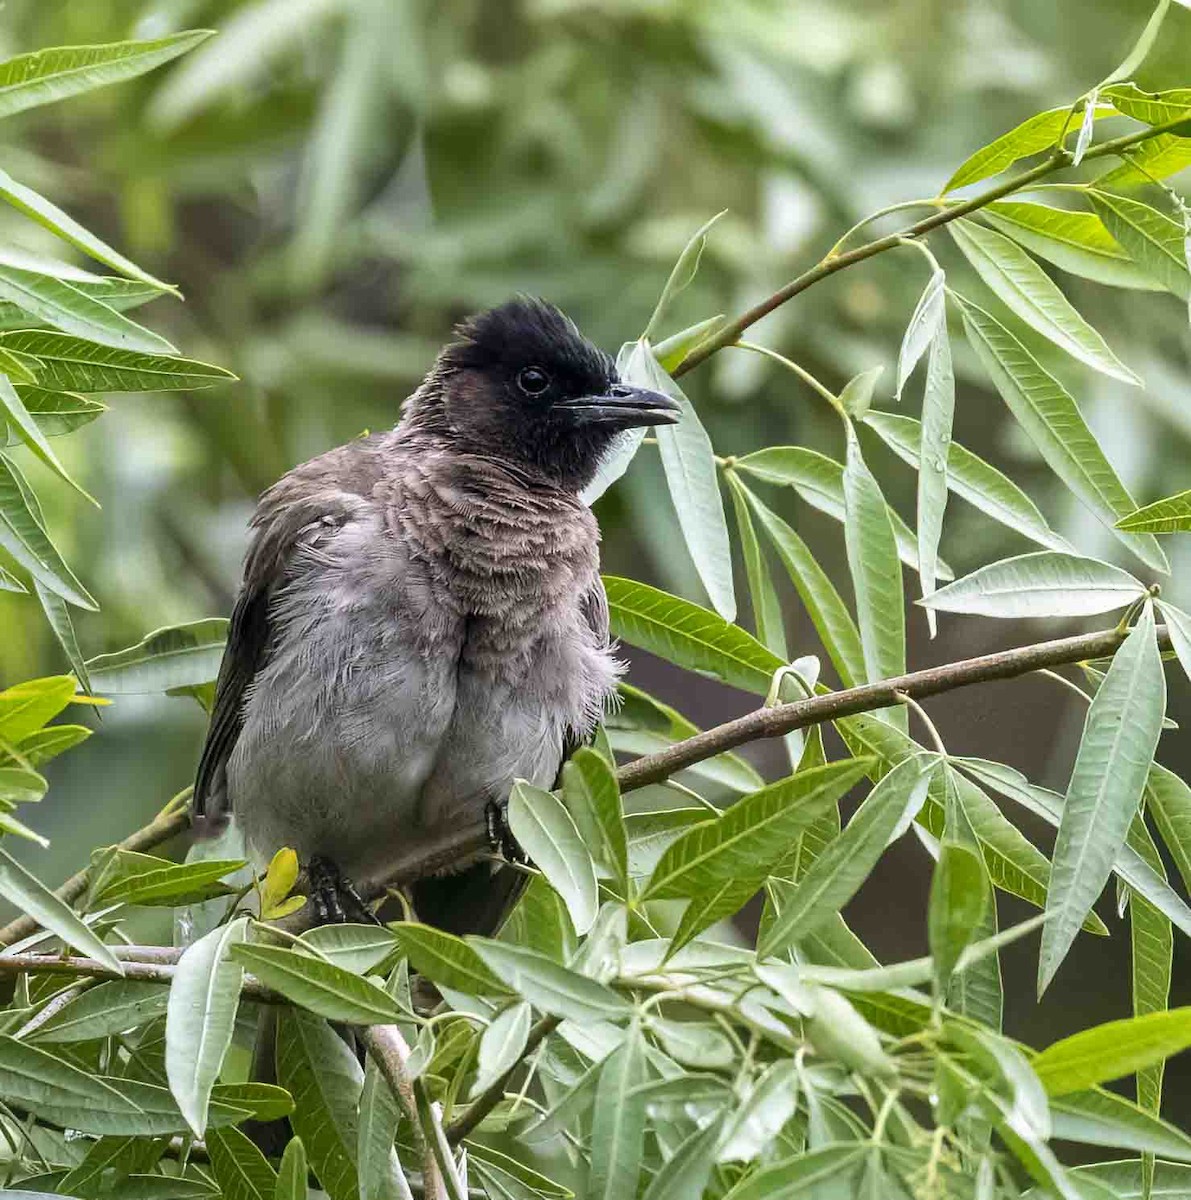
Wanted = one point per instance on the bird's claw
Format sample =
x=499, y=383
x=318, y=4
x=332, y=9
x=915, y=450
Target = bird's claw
x=334, y=896
x=496, y=813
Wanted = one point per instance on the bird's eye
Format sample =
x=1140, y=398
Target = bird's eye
x=533, y=381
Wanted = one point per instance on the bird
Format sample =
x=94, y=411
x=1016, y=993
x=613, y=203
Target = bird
x=421, y=620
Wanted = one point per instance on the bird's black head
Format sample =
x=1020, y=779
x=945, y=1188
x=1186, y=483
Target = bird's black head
x=523, y=384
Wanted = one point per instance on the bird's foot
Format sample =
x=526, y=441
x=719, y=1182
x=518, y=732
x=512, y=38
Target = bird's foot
x=334, y=896
x=496, y=813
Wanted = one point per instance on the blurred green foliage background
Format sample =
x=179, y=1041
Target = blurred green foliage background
x=340, y=181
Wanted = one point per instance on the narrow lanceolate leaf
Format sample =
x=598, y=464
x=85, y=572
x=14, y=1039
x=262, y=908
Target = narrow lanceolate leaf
x=49, y=215
x=1039, y=133
x=751, y=836
x=1118, y=743
x=835, y=876
x=502, y=1044
x=819, y=481
x=1030, y=293
x=200, y=1019
x=972, y=479
x=1048, y=414
x=938, y=411
x=103, y=1011
x=1111, y=1050
x=875, y=568
x=1178, y=624
x=545, y=830
x=767, y=609
x=958, y=898
x=240, y=1169
x=24, y=536
x=64, y=306
x=57, y=616
x=856, y=398
x=291, y=1174
x=329, y=991
x=1151, y=108
x=56, y=413
x=75, y=365
x=547, y=985
x=1102, y=1118
x=618, y=1128
x=21, y=422
x=446, y=959
x=688, y=635
x=316, y=1066
x=692, y=477
x=1170, y=515
x=177, y=656
x=46, y=76
x=32, y=897
x=1159, y=158
x=1154, y=241
x=788, y=1178
x=1140, y=50
x=1042, y=584
x=927, y=319
x=592, y=797
x=1168, y=800
x=682, y=274
x=1075, y=242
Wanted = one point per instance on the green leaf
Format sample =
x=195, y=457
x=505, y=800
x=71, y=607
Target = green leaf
x=760, y=1114
x=682, y=274
x=1123, y=1181
x=618, y=1127
x=1120, y=735
x=21, y=786
x=1159, y=158
x=857, y=395
x=381, y=1175
x=592, y=797
x=688, y=461
x=1039, y=133
x=688, y=635
x=1111, y=1050
x=543, y=827
x=447, y=960
x=34, y=899
x=672, y=350
x=20, y=422
x=103, y=1011
x=1031, y=294
x=324, y=989
x=145, y=880
x=1151, y=108
x=502, y=1044
x=876, y=572
x=1041, y=584
x=752, y=836
x=636, y=364
x=176, y=656
x=792, y=1178
x=1168, y=801
x=57, y=616
x=361, y=949
x=1152, y=240
x=320, y=1071
x=972, y=479
x=291, y=1175
x=64, y=306
x=548, y=985
x=686, y=1172
x=75, y=365
x=26, y=707
x=44, y=744
x=958, y=900
x=1145, y=43
x=1075, y=242
x=240, y=1169
x=1103, y=1118
x=24, y=536
x=201, y=1018
x=826, y=609
x=51, y=217
x=18, y=367
x=938, y=412
x=1049, y=416
x=928, y=317
x=819, y=481
x=1170, y=515
x=835, y=876
x=767, y=608
x=46, y=76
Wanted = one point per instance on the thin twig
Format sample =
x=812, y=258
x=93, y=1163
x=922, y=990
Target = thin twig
x=727, y=334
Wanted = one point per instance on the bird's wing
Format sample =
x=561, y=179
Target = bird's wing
x=301, y=510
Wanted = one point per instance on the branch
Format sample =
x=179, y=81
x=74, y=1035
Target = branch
x=1056, y=161
x=492, y=1095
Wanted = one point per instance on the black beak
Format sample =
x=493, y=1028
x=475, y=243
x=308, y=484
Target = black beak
x=625, y=407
